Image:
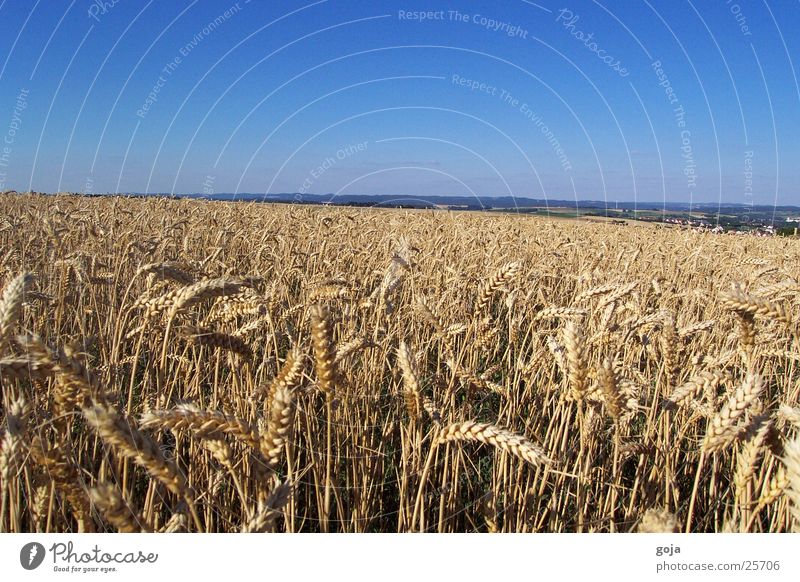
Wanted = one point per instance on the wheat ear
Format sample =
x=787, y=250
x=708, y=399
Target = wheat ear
x=11, y=305
x=742, y=302
x=203, y=424
x=107, y=498
x=722, y=427
x=576, y=360
x=280, y=422
x=269, y=510
x=63, y=471
x=411, y=384
x=500, y=438
x=131, y=443
x=495, y=283
x=324, y=351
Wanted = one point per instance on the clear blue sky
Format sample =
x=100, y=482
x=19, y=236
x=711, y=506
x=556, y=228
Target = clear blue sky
x=558, y=100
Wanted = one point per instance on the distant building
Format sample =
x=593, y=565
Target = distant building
x=793, y=219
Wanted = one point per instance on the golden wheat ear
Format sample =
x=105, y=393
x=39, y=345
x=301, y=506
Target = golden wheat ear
x=108, y=500
x=269, y=511
x=279, y=425
x=497, y=282
x=722, y=428
x=576, y=359
x=324, y=351
x=11, y=305
x=500, y=438
x=411, y=385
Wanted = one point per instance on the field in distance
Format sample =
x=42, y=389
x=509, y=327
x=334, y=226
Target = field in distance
x=184, y=365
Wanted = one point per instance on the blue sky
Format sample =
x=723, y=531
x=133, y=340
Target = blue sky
x=635, y=100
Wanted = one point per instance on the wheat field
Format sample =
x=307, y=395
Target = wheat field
x=176, y=365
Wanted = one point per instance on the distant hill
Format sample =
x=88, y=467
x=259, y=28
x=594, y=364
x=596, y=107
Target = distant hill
x=475, y=202
x=484, y=202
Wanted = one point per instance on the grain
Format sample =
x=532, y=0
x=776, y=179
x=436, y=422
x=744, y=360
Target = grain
x=182, y=365
x=502, y=439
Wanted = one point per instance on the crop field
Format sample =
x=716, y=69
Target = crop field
x=176, y=365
